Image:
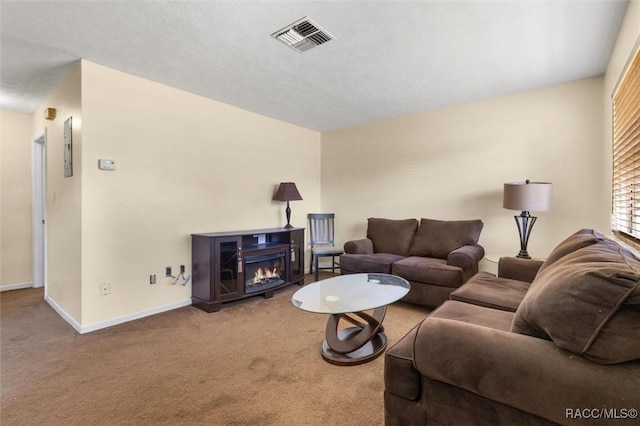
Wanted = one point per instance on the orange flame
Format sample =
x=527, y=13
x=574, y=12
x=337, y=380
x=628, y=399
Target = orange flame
x=265, y=274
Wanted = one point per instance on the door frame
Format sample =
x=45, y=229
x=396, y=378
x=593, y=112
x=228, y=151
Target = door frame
x=39, y=209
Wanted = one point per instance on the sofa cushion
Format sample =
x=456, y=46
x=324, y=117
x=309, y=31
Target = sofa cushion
x=438, y=238
x=362, y=263
x=428, y=270
x=474, y=314
x=620, y=334
x=587, y=302
x=485, y=289
x=582, y=238
x=391, y=236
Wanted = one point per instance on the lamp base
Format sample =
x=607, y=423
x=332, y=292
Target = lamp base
x=287, y=211
x=525, y=224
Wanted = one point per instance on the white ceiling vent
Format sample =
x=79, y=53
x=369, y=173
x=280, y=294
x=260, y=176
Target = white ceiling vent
x=303, y=35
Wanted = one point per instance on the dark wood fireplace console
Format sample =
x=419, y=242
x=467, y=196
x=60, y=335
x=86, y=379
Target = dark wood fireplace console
x=229, y=266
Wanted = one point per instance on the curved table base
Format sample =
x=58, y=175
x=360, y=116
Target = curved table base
x=355, y=345
x=371, y=350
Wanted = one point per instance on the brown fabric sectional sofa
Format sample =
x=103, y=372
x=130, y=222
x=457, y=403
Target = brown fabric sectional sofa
x=436, y=257
x=542, y=343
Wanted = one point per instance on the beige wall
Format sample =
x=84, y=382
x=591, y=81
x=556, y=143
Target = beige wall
x=15, y=198
x=188, y=164
x=184, y=164
x=63, y=197
x=452, y=163
x=626, y=44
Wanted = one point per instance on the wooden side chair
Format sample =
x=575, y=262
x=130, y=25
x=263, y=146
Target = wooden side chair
x=321, y=236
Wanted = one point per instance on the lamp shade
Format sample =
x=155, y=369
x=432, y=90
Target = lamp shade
x=287, y=191
x=527, y=196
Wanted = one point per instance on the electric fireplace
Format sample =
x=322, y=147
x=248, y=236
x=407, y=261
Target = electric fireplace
x=264, y=271
x=229, y=266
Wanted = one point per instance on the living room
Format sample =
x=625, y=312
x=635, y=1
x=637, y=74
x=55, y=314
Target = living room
x=183, y=160
x=187, y=164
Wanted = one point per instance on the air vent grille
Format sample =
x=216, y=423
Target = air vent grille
x=303, y=35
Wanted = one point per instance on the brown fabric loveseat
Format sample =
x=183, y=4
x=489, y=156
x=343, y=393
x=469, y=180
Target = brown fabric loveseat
x=542, y=343
x=436, y=257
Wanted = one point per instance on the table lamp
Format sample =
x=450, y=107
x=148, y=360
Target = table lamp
x=287, y=191
x=526, y=196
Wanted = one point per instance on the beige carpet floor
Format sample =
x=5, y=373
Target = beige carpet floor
x=256, y=362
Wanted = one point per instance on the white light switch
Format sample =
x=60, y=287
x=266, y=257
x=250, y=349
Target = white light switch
x=106, y=164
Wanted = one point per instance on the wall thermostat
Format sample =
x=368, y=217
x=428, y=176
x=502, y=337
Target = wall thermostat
x=106, y=164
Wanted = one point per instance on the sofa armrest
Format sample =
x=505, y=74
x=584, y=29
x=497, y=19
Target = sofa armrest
x=362, y=246
x=524, y=372
x=466, y=257
x=515, y=268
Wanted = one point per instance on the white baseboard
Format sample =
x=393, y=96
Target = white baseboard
x=126, y=318
x=82, y=329
x=65, y=316
x=17, y=286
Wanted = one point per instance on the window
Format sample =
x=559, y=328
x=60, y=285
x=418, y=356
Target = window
x=626, y=153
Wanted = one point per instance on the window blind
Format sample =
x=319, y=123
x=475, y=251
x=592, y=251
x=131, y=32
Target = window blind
x=626, y=152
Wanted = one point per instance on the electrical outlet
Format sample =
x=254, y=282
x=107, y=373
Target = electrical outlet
x=182, y=269
x=168, y=271
x=105, y=289
x=152, y=279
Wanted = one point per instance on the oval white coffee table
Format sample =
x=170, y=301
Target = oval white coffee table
x=346, y=297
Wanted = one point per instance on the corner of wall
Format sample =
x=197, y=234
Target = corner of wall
x=63, y=195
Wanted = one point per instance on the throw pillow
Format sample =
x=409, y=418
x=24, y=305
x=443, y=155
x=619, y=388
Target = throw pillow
x=582, y=238
x=587, y=302
x=391, y=236
x=438, y=238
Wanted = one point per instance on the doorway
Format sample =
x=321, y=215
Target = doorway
x=39, y=209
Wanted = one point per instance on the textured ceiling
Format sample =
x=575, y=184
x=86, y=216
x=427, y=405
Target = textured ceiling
x=389, y=58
